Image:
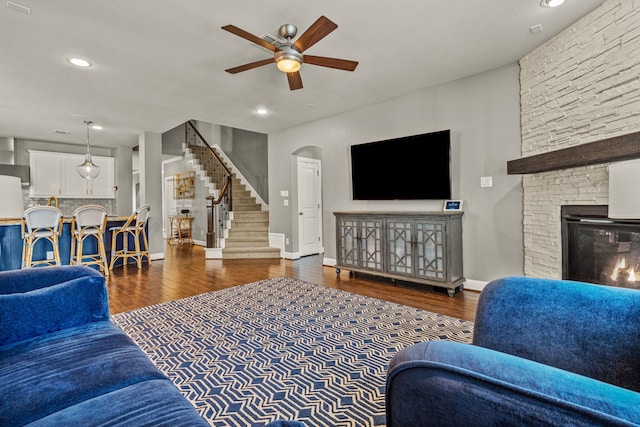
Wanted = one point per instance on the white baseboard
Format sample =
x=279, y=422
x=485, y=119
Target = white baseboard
x=291, y=255
x=277, y=240
x=330, y=262
x=474, y=285
x=159, y=255
x=213, y=253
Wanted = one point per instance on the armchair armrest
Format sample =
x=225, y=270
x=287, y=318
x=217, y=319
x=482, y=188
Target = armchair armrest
x=38, y=301
x=455, y=384
x=588, y=329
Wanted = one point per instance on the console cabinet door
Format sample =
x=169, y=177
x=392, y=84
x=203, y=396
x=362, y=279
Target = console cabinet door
x=360, y=242
x=348, y=242
x=370, y=254
x=416, y=248
x=400, y=246
x=431, y=251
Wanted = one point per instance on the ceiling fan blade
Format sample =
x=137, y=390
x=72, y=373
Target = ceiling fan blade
x=250, y=66
x=339, y=64
x=248, y=36
x=295, y=80
x=316, y=32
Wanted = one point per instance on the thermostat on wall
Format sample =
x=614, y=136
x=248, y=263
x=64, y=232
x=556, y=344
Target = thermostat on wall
x=452, y=205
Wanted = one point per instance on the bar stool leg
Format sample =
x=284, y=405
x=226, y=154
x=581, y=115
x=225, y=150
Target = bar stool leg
x=73, y=254
x=25, y=245
x=137, y=246
x=114, y=242
x=56, y=250
x=79, y=250
x=103, y=254
x=28, y=252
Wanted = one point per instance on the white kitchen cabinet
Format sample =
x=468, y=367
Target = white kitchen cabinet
x=55, y=174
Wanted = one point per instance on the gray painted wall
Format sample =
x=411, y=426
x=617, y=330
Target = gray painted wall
x=151, y=186
x=248, y=152
x=483, y=113
x=172, y=141
x=124, y=180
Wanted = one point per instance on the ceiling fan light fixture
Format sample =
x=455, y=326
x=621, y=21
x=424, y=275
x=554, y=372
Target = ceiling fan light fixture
x=288, y=60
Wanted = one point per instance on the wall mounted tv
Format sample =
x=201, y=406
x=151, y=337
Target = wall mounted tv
x=410, y=168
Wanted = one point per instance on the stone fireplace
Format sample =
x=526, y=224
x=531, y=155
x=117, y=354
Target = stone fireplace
x=580, y=87
x=597, y=249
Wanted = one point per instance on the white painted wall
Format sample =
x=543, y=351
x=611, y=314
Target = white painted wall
x=483, y=114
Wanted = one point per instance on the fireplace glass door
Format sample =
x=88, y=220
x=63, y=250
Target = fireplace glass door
x=603, y=251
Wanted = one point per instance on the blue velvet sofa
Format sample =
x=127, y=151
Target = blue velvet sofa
x=63, y=363
x=544, y=352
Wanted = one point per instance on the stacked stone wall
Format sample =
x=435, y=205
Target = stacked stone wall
x=581, y=86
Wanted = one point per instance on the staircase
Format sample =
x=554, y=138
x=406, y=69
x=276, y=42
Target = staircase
x=248, y=233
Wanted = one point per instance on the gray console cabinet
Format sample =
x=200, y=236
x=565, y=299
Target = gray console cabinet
x=420, y=247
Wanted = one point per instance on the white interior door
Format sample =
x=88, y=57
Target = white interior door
x=309, y=206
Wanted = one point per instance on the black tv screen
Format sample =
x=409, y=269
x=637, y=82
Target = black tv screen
x=410, y=168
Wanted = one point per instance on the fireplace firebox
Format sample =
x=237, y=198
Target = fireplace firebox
x=598, y=249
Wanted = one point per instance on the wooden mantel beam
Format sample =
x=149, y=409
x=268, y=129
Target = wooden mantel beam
x=617, y=148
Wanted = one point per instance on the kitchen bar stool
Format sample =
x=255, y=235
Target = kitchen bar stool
x=41, y=222
x=134, y=227
x=89, y=222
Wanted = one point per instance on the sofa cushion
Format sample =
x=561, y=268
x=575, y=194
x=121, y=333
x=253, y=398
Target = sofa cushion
x=28, y=311
x=50, y=373
x=149, y=403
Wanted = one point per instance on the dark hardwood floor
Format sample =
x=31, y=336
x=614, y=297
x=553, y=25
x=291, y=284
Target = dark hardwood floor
x=185, y=272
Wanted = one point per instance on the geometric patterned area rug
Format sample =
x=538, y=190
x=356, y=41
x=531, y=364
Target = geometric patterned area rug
x=283, y=349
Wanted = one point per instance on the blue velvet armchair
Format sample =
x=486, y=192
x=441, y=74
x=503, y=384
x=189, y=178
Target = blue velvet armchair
x=544, y=352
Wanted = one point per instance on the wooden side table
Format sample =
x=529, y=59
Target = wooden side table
x=180, y=229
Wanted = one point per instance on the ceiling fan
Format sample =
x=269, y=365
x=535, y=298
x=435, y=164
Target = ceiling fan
x=288, y=55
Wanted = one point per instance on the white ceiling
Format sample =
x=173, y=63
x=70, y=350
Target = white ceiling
x=158, y=63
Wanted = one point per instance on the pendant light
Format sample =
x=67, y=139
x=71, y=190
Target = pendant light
x=88, y=169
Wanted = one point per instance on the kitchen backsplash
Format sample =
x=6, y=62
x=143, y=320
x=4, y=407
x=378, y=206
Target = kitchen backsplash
x=67, y=206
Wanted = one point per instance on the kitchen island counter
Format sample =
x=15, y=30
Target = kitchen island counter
x=11, y=242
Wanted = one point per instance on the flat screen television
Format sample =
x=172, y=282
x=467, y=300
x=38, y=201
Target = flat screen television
x=410, y=168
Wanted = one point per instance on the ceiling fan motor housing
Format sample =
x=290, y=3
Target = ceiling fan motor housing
x=288, y=31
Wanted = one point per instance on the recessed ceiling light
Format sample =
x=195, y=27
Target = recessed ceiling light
x=551, y=3
x=262, y=111
x=79, y=62
x=96, y=127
